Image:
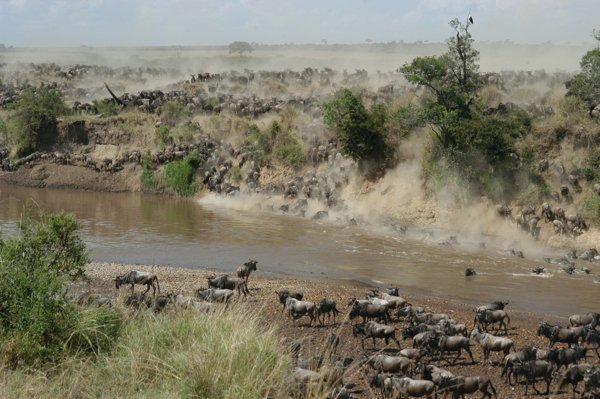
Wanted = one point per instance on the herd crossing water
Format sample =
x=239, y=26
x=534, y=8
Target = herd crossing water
x=146, y=229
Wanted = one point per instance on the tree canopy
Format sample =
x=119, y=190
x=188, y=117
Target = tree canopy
x=240, y=48
x=586, y=84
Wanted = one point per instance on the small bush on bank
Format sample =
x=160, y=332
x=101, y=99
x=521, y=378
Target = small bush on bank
x=106, y=107
x=235, y=174
x=35, y=119
x=180, y=175
x=162, y=134
x=590, y=208
x=147, y=177
x=172, y=113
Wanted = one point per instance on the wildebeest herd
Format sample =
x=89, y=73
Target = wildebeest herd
x=407, y=351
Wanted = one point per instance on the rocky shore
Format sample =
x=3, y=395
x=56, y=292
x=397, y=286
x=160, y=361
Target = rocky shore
x=523, y=326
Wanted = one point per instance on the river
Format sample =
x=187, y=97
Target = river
x=147, y=229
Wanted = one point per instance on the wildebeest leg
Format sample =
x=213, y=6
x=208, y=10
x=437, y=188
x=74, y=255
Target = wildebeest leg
x=132, y=288
x=457, y=356
x=397, y=342
x=147, y=288
x=470, y=354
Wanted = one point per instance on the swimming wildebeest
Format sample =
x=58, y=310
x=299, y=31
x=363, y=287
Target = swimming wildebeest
x=136, y=277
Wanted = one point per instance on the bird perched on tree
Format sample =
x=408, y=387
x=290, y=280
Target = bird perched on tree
x=471, y=19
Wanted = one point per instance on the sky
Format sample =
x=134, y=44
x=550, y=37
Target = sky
x=73, y=23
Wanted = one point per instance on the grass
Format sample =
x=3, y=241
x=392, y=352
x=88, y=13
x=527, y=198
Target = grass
x=590, y=208
x=229, y=354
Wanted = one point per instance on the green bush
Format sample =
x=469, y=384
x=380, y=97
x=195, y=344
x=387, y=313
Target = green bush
x=35, y=119
x=590, y=208
x=147, y=177
x=235, y=174
x=172, y=113
x=291, y=154
x=360, y=132
x=162, y=134
x=180, y=175
x=106, y=107
x=36, y=317
x=260, y=144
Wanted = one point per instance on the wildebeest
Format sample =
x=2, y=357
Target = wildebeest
x=534, y=369
x=490, y=343
x=484, y=318
x=591, y=318
x=297, y=309
x=326, y=307
x=89, y=299
x=592, y=338
x=435, y=374
x=283, y=295
x=555, y=334
x=524, y=355
x=461, y=386
x=573, y=375
x=375, y=330
x=391, y=364
x=245, y=270
x=567, y=356
x=215, y=295
x=229, y=283
x=495, y=305
x=186, y=302
x=444, y=344
x=369, y=311
x=402, y=387
x=136, y=277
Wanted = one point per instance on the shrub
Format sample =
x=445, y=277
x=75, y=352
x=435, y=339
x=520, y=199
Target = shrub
x=235, y=174
x=180, y=175
x=106, y=107
x=35, y=119
x=291, y=154
x=36, y=317
x=259, y=143
x=162, y=134
x=172, y=113
x=147, y=177
x=590, y=208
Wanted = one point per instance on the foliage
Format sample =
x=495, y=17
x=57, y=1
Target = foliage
x=147, y=177
x=401, y=120
x=590, y=208
x=106, y=107
x=229, y=354
x=591, y=169
x=162, y=134
x=180, y=175
x=35, y=119
x=172, y=113
x=36, y=316
x=234, y=174
x=451, y=78
x=276, y=140
x=360, y=132
x=240, y=47
x=586, y=84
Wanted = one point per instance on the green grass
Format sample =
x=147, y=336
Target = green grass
x=229, y=354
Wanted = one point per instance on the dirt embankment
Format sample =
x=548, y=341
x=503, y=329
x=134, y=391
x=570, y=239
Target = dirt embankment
x=522, y=330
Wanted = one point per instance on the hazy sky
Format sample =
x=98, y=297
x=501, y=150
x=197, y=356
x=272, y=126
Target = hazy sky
x=208, y=22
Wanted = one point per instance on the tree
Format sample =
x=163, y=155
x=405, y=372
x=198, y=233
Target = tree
x=360, y=131
x=36, y=116
x=240, y=48
x=451, y=78
x=586, y=84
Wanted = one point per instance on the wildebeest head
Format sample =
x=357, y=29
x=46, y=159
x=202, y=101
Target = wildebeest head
x=358, y=329
x=251, y=264
x=119, y=281
x=392, y=291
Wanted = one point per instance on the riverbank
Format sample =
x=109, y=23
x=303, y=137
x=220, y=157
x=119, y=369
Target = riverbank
x=523, y=325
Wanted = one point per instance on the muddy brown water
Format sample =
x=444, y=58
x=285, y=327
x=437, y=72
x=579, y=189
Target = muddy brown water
x=146, y=229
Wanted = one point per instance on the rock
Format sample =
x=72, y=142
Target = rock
x=469, y=271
